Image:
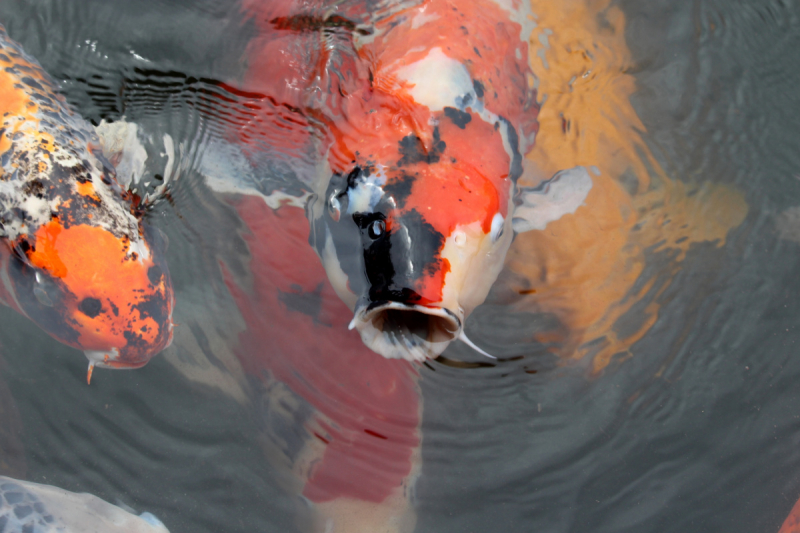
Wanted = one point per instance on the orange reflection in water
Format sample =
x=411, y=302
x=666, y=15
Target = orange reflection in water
x=583, y=267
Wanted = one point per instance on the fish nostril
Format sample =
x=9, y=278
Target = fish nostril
x=154, y=274
x=90, y=307
x=376, y=229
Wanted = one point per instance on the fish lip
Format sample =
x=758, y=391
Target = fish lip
x=110, y=359
x=415, y=340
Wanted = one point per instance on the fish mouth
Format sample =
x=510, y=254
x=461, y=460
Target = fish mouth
x=405, y=331
x=111, y=359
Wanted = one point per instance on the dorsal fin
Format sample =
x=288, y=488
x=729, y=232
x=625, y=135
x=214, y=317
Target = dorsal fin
x=338, y=71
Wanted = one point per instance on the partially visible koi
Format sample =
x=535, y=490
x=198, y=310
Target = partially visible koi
x=420, y=115
x=75, y=258
x=27, y=506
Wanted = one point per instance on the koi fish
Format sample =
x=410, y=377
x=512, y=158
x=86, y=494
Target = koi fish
x=75, y=258
x=26, y=506
x=420, y=118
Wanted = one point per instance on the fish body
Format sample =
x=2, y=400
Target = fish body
x=421, y=116
x=74, y=256
x=26, y=506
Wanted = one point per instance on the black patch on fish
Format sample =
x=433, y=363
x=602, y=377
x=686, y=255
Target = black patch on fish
x=21, y=511
x=154, y=307
x=30, y=82
x=478, y=86
x=14, y=497
x=90, y=307
x=413, y=150
x=459, y=118
x=475, y=48
x=399, y=189
x=396, y=261
x=34, y=188
x=308, y=303
x=134, y=347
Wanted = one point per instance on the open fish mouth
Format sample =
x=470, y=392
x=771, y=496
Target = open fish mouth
x=401, y=331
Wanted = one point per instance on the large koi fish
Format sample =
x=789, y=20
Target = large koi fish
x=419, y=118
x=74, y=257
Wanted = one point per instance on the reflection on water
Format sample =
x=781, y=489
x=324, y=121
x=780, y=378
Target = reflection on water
x=646, y=343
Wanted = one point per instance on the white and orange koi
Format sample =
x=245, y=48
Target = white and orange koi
x=422, y=116
x=75, y=258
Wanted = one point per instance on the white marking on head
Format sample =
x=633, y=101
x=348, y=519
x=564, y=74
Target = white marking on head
x=439, y=81
x=140, y=248
x=367, y=192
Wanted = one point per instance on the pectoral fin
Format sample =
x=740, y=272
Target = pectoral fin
x=550, y=200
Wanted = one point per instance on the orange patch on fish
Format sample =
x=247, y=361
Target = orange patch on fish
x=95, y=264
x=45, y=255
x=87, y=189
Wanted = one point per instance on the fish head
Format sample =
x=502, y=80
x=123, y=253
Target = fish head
x=96, y=290
x=412, y=248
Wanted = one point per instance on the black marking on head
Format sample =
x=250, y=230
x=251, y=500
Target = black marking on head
x=90, y=307
x=399, y=259
x=463, y=101
x=135, y=345
x=155, y=307
x=35, y=188
x=413, y=150
x=399, y=189
x=458, y=117
x=475, y=48
x=478, y=86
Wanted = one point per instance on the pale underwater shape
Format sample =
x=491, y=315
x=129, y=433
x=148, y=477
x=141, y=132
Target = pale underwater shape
x=48, y=509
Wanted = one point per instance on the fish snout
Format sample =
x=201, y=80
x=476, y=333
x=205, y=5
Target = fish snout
x=413, y=332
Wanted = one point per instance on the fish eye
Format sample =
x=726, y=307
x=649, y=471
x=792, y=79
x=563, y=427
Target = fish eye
x=45, y=290
x=90, y=307
x=154, y=274
x=376, y=229
x=334, y=208
x=498, y=226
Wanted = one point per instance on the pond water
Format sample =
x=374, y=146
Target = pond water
x=647, y=360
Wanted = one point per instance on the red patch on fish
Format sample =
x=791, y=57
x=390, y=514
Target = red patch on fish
x=369, y=405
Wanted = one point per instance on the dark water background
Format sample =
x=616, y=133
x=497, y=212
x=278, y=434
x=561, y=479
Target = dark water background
x=709, y=442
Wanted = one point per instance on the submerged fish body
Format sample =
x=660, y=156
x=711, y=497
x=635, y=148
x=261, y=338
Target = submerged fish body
x=74, y=257
x=26, y=506
x=422, y=117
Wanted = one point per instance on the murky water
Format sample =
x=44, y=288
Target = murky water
x=647, y=361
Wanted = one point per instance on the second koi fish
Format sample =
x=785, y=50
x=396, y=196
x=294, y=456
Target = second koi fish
x=74, y=257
